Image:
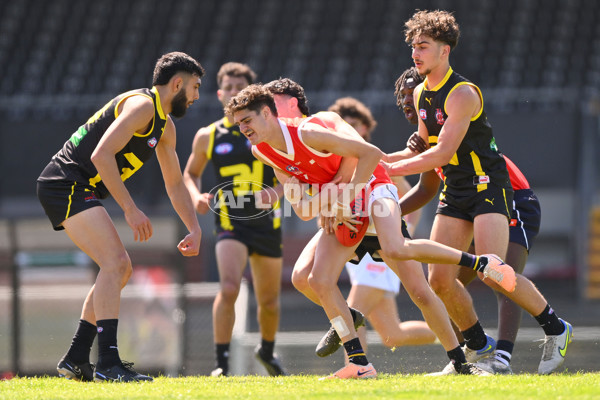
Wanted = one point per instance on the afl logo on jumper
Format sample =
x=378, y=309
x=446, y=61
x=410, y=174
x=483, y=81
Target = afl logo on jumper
x=423, y=114
x=152, y=142
x=294, y=170
x=224, y=148
x=439, y=116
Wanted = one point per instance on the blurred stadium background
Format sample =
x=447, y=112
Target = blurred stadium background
x=537, y=62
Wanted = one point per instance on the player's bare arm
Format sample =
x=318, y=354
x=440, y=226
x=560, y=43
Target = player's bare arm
x=177, y=191
x=328, y=141
x=462, y=105
x=337, y=123
x=135, y=115
x=195, y=167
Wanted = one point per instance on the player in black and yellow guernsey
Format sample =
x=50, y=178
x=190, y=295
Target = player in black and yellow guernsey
x=93, y=164
x=477, y=197
x=248, y=222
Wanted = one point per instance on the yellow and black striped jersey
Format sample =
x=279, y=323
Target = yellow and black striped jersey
x=239, y=175
x=73, y=161
x=477, y=161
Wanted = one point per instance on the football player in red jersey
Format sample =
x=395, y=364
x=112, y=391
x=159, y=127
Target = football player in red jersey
x=311, y=152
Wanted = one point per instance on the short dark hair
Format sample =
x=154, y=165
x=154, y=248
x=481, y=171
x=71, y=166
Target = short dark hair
x=171, y=63
x=236, y=69
x=410, y=73
x=439, y=25
x=351, y=107
x=291, y=88
x=254, y=98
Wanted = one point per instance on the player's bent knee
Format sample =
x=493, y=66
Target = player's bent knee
x=270, y=305
x=230, y=291
x=423, y=297
x=319, y=284
x=300, y=280
x=441, y=286
x=120, y=265
x=126, y=276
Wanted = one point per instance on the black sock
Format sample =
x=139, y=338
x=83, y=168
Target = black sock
x=222, y=350
x=476, y=263
x=467, y=260
x=505, y=345
x=550, y=322
x=356, y=354
x=457, y=357
x=266, y=349
x=504, y=350
x=81, y=345
x=475, y=337
x=108, y=352
x=472, y=261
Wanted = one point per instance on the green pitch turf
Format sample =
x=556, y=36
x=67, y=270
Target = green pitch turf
x=561, y=386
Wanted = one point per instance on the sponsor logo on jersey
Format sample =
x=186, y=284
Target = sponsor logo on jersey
x=293, y=169
x=423, y=114
x=439, y=116
x=224, y=148
x=493, y=145
x=481, y=180
x=152, y=142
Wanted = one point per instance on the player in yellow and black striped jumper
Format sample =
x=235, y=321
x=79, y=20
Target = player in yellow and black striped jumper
x=248, y=220
x=476, y=199
x=93, y=164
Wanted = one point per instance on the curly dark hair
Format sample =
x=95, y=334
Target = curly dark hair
x=171, y=63
x=410, y=73
x=351, y=107
x=439, y=25
x=254, y=98
x=236, y=69
x=291, y=88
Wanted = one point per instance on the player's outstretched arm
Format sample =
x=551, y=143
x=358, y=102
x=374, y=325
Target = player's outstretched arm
x=136, y=113
x=462, y=105
x=177, y=191
x=329, y=141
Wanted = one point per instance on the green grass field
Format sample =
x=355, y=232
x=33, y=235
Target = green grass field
x=562, y=386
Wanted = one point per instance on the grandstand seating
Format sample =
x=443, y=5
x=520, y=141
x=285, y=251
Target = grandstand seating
x=72, y=47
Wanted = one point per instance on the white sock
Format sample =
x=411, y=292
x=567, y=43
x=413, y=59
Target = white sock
x=503, y=356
